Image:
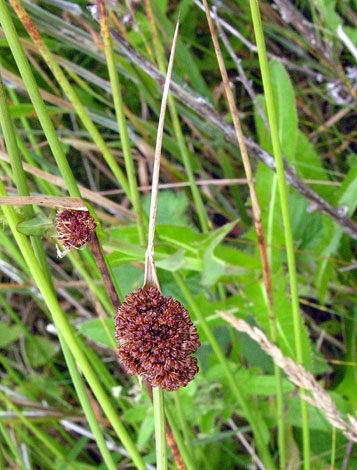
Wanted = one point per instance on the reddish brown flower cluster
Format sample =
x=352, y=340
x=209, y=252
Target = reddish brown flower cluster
x=156, y=339
x=74, y=227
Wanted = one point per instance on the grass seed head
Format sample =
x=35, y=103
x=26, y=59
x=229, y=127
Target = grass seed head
x=156, y=339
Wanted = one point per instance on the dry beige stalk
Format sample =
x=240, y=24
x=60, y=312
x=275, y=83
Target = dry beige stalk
x=299, y=376
x=151, y=279
x=48, y=201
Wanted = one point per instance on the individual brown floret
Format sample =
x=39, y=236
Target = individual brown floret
x=156, y=339
x=74, y=227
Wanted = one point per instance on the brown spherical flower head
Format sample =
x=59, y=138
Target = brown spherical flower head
x=74, y=227
x=156, y=339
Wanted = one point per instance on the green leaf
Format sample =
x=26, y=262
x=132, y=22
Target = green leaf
x=145, y=431
x=219, y=260
x=285, y=108
x=347, y=197
x=38, y=226
x=41, y=351
x=207, y=421
x=257, y=304
x=171, y=208
x=266, y=385
x=136, y=414
x=213, y=267
x=173, y=262
x=27, y=110
x=309, y=166
x=8, y=333
x=95, y=331
x=327, y=9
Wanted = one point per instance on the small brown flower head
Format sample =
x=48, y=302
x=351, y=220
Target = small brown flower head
x=156, y=339
x=73, y=228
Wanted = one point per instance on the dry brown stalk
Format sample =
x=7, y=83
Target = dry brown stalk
x=247, y=168
x=299, y=376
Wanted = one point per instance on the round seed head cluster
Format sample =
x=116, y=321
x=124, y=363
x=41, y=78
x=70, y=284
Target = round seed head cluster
x=156, y=339
x=74, y=227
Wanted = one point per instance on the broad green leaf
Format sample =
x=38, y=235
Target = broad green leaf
x=346, y=197
x=27, y=110
x=292, y=449
x=266, y=385
x=129, y=277
x=41, y=351
x=220, y=260
x=136, y=414
x=309, y=166
x=39, y=226
x=95, y=331
x=256, y=298
x=266, y=185
x=181, y=237
x=8, y=333
x=285, y=108
x=308, y=231
x=208, y=421
x=330, y=18
x=214, y=267
x=317, y=420
x=173, y=262
x=171, y=208
x=262, y=131
x=347, y=386
x=145, y=431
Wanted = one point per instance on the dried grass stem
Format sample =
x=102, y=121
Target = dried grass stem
x=299, y=376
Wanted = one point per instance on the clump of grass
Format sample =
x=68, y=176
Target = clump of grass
x=66, y=400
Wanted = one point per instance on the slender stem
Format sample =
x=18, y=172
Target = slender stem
x=86, y=405
x=160, y=432
x=257, y=223
x=258, y=30
x=105, y=271
x=119, y=111
x=21, y=183
x=61, y=323
x=40, y=108
x=69, y=91
x=41, y=435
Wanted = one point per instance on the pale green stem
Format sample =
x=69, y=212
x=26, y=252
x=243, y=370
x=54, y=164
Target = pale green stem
x=120, y=114
x=263, y=61
x=37, y=101
x=160, y=428
x=69, y=91
x=86, y=405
